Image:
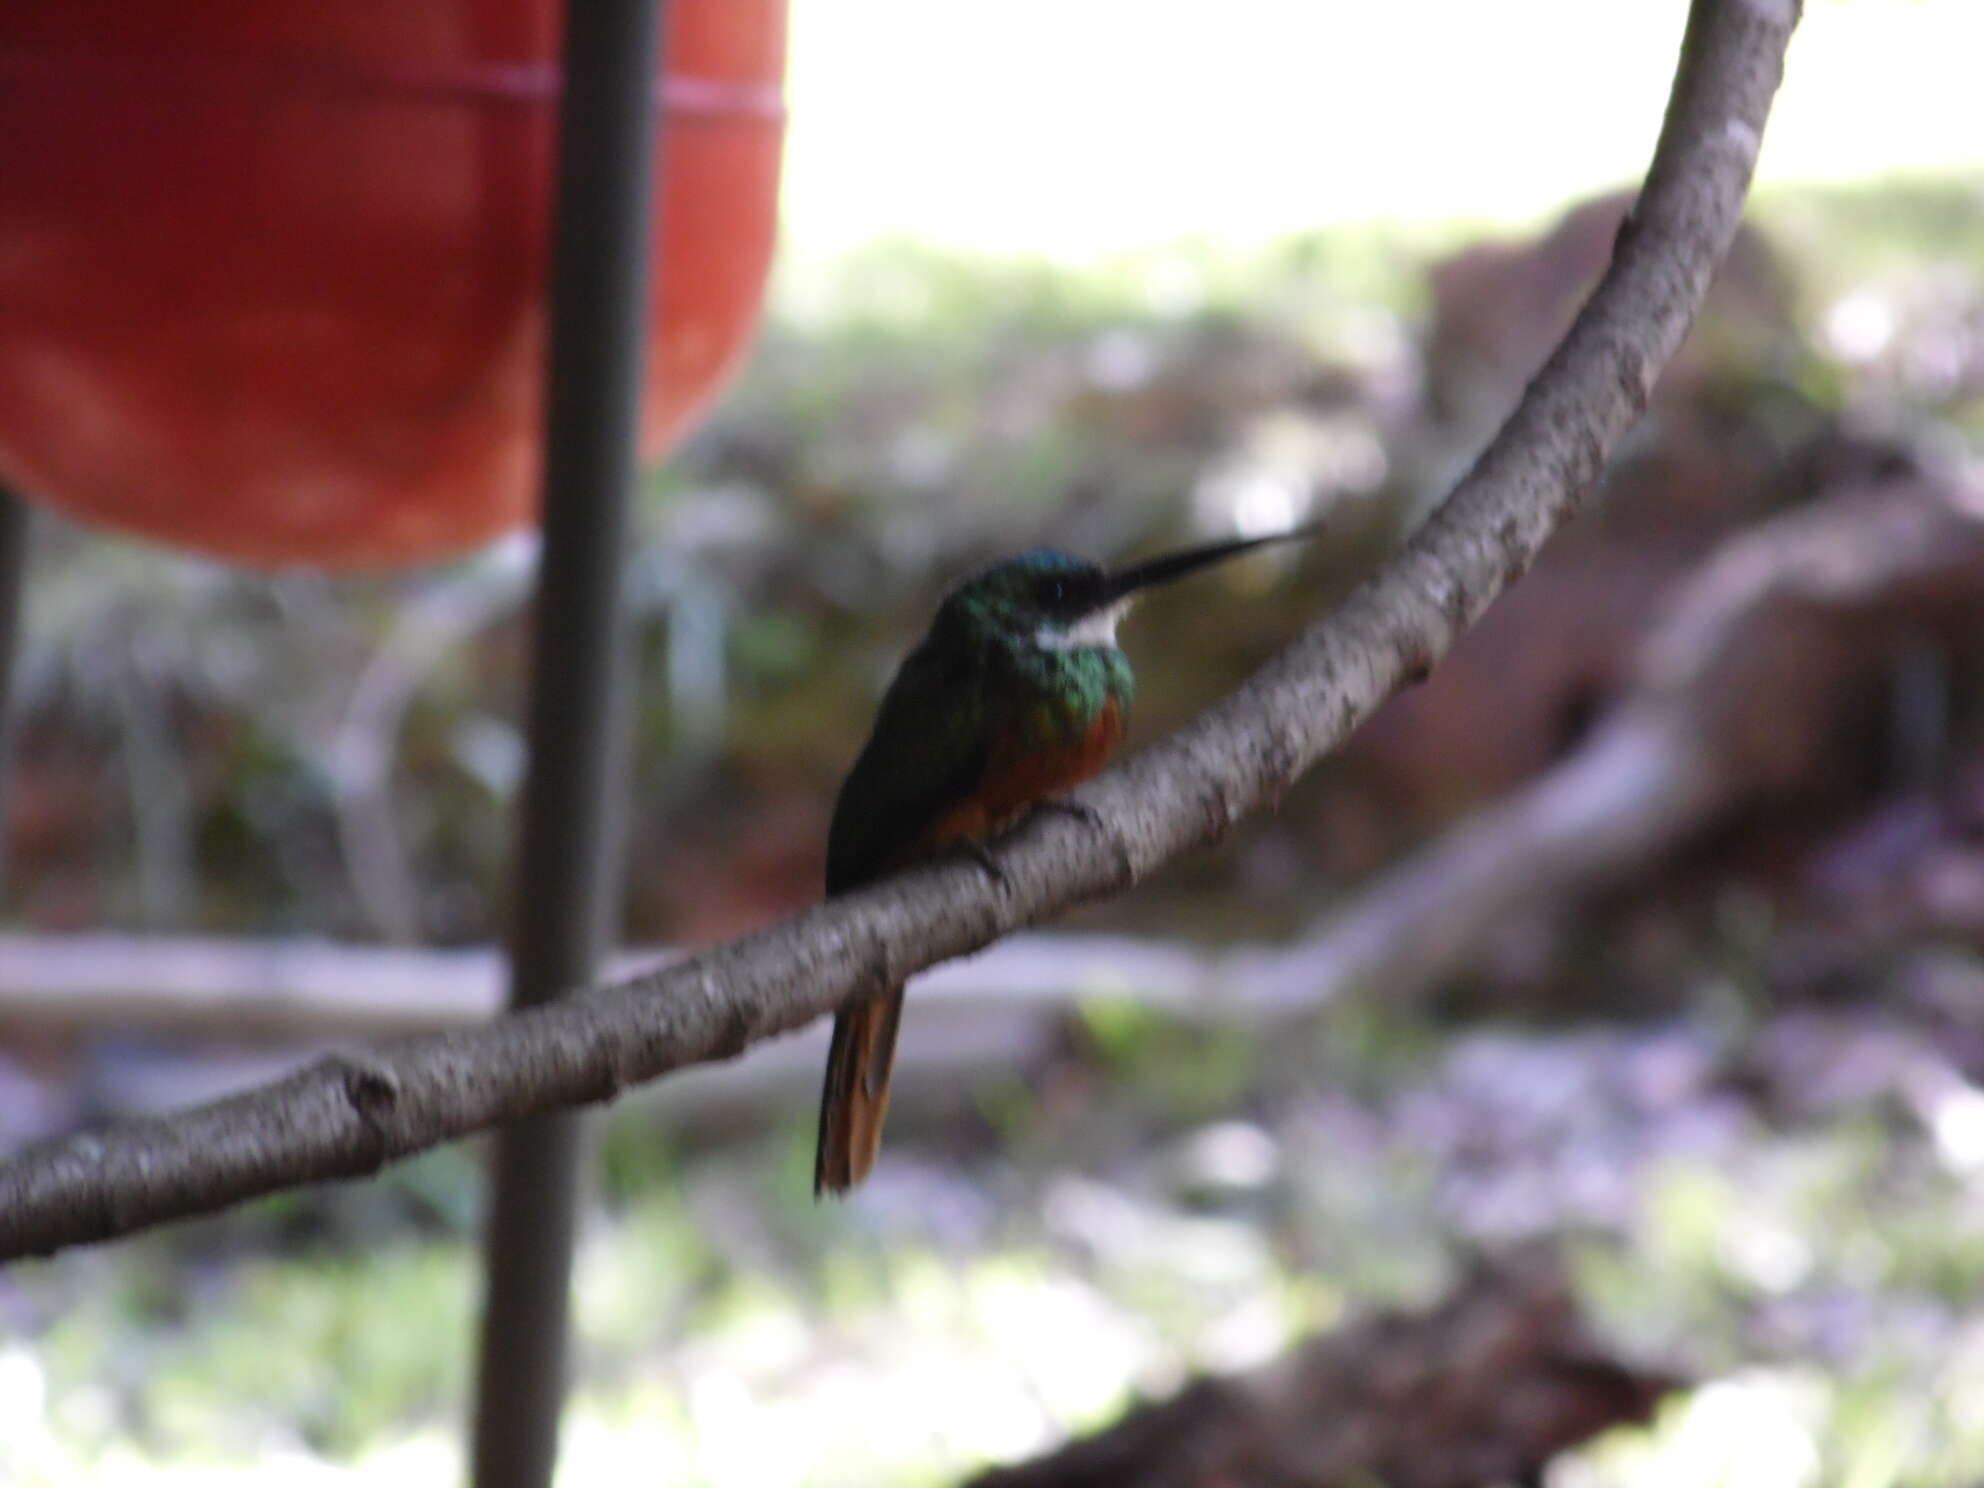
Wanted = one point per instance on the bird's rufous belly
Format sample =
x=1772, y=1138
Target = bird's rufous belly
x=1017, y=775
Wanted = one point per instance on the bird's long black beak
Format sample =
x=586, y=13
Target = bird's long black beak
x=1168, y=566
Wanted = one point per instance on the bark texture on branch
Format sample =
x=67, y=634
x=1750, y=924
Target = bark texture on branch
x=346, y=1116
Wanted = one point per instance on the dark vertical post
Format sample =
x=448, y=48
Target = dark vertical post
x=568, y=853
x=15, y=521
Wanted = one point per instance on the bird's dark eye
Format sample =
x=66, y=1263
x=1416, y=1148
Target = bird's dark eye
x=1058, y=593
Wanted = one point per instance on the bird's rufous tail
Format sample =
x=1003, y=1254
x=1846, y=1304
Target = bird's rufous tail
x=855, y=1099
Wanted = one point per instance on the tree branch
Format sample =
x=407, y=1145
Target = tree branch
x=346, y=1116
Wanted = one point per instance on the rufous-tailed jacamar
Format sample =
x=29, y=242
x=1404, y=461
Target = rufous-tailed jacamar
x=1018, y=691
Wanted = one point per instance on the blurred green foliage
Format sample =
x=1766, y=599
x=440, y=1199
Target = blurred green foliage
x=1161, y=1197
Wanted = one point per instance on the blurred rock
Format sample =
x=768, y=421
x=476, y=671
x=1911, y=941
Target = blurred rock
x=1484, y=1389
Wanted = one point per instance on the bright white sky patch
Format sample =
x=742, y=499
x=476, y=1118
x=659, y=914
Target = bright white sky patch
x=1081, y=128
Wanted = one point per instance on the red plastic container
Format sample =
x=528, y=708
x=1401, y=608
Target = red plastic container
x=272, y=271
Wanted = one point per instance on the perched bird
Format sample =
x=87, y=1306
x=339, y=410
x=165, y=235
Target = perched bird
x=1018, y=691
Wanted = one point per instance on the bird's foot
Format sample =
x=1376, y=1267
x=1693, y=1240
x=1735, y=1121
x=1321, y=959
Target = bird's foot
x=980, y=854
x=1081, y=811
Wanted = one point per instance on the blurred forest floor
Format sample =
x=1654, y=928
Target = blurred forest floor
x=1743, y=1085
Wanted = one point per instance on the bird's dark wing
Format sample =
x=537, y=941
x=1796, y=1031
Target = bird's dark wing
x=925, y=756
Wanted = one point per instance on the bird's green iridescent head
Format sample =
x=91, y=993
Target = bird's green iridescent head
x=1047, y=600
x=1043, y=599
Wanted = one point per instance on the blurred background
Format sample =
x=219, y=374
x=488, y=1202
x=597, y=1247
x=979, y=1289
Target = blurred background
x=1647, y=928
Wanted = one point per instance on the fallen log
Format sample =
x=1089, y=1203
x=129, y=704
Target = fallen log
x=304, y=990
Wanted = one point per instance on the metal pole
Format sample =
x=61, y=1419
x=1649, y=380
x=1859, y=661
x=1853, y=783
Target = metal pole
x=15, y=522
x=567, y=874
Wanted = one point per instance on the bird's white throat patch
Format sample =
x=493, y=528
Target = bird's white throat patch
x=1090, y=631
